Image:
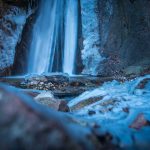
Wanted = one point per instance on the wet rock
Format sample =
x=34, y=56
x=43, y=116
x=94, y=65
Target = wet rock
x=47, y=94
x=104, y=110
x=126, y=109
x=37, y=78
x=46, y=81
x=143, y=83
x=108, y=102
x=140, y=122
x=58, y=77
x=85, y=103
x=63, y=106
x=60, y=84
x=47, y=99
x=91, y=112
x=90, y=81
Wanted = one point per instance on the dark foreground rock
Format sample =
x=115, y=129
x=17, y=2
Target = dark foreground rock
x=27, y=125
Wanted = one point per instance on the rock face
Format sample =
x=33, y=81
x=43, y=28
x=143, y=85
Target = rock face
x=114, y=36
x=124, y=27
x=22, y=48
x=12, y=20
x=13, y=15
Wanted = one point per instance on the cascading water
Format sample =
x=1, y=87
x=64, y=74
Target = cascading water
x=44, y=38
x=54, y=37
x=71, y=30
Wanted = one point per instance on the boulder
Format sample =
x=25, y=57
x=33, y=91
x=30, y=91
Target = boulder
x=143, y=84
x=25, y=124
x=84, y=102
x=47, y=99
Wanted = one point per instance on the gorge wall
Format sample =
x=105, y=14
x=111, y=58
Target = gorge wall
x=13, y=18
x=113, y=36
x=125, y=33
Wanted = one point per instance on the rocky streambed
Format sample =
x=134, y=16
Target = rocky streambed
x=56, y=111
x=60, y=84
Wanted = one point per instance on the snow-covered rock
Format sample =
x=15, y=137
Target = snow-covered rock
x=90, y=27
x=120, y=108
x=12, y=21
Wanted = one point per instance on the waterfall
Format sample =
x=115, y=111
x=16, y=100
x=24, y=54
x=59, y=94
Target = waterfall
x=54, y=37
x=71, y=30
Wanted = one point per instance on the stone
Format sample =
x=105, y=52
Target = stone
x=126, y=109
x=139, y=122
x=91, y=112
x=63, y=106
x=85, y=102
x=47, y=99
x=57, y=77
x=143, y=83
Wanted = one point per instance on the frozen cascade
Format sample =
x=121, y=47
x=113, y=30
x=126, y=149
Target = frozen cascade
x=49, y=50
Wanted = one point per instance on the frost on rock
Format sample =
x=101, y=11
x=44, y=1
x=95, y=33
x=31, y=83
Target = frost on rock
x=12, y=22
x=90, y=54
